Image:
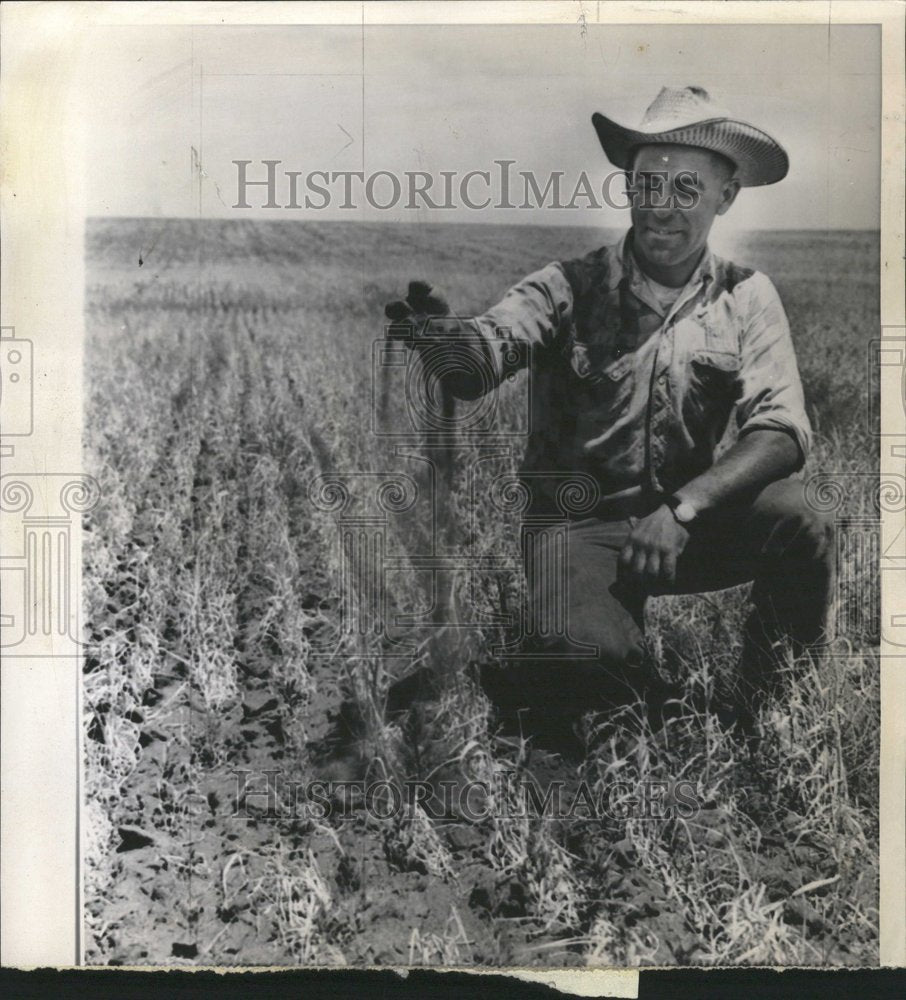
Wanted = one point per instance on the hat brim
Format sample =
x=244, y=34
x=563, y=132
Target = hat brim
x=759, y=159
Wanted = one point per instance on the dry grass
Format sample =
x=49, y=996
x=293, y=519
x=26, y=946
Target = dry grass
x=227, y=374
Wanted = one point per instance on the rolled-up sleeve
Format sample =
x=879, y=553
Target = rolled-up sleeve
x=771, y=396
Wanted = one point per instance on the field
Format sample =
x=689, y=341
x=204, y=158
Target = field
x=228, y=364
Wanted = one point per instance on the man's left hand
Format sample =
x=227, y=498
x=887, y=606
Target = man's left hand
x=652, y=549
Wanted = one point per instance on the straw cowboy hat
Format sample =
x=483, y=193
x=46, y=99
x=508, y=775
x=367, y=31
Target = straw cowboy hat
x=687, y=116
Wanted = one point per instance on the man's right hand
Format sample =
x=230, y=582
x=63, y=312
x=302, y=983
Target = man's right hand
x=463, y=367
x=423, y=302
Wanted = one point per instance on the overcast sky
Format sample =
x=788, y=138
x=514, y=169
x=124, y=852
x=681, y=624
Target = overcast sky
x=457, y=98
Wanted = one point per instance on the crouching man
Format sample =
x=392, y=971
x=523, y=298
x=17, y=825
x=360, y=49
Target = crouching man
x=640, y=352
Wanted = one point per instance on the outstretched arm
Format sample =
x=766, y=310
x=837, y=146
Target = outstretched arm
x=533, y=313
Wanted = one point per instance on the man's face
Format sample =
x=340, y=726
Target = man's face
x=672, y=217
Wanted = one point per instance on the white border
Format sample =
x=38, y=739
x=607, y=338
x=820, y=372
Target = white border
x=42, y=285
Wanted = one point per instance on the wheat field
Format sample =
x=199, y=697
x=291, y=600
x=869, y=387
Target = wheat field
x=228, y=365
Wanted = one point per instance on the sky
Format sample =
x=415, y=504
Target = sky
x=168, y=109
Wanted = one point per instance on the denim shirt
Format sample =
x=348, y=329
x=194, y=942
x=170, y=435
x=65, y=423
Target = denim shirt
x=634, y=397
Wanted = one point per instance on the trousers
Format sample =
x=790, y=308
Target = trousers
x=773, y=539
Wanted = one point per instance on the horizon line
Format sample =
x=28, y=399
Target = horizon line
x=452, y=222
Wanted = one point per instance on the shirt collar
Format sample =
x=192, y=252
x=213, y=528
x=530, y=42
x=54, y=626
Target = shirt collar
x=629, y=267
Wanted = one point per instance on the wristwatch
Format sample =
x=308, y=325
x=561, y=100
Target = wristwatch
x=683, y=511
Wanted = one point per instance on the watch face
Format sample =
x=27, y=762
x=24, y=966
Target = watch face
x=685, y=513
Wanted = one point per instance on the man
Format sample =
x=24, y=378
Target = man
x=640, y=352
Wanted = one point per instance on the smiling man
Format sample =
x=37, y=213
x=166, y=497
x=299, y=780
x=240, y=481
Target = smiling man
x=640, y=353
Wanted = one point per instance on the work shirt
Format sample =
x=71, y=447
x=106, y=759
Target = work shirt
x=636, y=393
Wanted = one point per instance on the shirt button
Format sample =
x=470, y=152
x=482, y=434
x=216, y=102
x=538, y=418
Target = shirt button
x=662, y=380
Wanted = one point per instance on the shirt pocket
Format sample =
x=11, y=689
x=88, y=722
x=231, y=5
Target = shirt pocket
x=713, y=381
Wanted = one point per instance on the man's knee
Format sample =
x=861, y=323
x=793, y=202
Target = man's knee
x=812, y=534
x=798, y=529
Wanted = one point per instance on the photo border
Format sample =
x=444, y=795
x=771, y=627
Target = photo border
x=42, y=201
